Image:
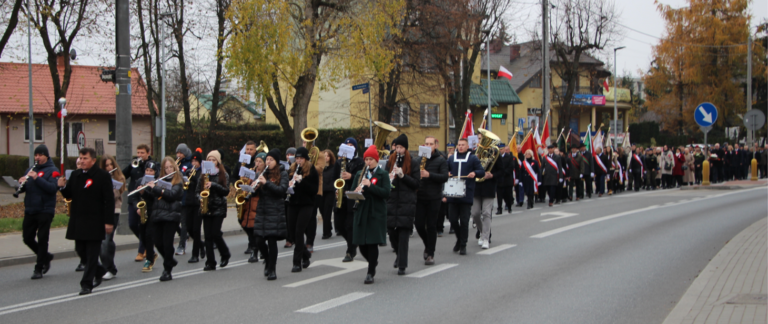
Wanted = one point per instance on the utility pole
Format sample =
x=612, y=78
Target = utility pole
x=545, y=58
x=31, y=121
x=750, y=137
x=123, y=115
x=488, y=54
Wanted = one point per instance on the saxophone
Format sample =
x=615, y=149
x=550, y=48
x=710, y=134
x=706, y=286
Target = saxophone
x=68, y=205
x=204, y=196
x=339, y=184
x=142, y=206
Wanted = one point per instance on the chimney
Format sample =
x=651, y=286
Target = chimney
x=514, y=52
x=60, y=57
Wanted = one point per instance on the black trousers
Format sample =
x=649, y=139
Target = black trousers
x=637, y=178
x=37, y=225
x=577, y=184
x=213, y=235
x=551, y=190
x=371, y=254
x=251, y=237
x=182, y=229
x=441, y=216
x=146, y=233
x=164, y=233
x=530, y=200
x=399, y=237
x=343, y=219
x=194, y=226
x=426, y=223
x=459, y=213
x=93, y=269
x=268, y=248
x=588, y=181
x=299, y=217
x=326, y=212
x=311, y=231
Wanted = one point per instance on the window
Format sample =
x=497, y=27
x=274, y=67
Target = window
x=38, y=125
x=451, y=121
x=71, y=130
x=429, y=115
x=536, y=81
x=112, y=130
x=401, y=114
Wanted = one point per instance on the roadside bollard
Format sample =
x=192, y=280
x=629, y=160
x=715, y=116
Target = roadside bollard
x=705, y=173
x=754, y=169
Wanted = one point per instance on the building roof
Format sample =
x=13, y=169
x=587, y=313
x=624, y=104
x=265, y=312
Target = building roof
x=87, y=94
x=526, y=64
x=502, y=92
x=479, y=97
x=206, y=100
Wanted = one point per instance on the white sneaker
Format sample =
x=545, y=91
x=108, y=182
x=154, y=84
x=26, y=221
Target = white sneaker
x=108, y=276
x=480, y=242
x=485, y=245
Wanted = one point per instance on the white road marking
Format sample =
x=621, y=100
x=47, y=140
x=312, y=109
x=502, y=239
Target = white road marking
x=496, y=249
x=133, y=284
x=432, y=270
x=336, y=262
x=604, y=218
x=336, y=302
x=560, y=215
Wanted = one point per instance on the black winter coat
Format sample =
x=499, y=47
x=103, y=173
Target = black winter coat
x=217, y=201
x=510, y=170
x=527, y=180
x=93, y=204
x=304, y=192
x=168, y=207
x=270, y=213
x=401, y=204
x=431, y=188
x=551, y=174
x=487, y=188
x=191, y=198
x=135, y=174
x=328, y=179
x=41, y=192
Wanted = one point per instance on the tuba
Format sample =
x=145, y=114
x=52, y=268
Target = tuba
x=487, y=150
x=309, y=135
x=262, y=147
x=142, y=206
x=381, y=138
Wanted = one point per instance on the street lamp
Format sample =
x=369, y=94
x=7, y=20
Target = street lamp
x=615, y=86
x=162, y=85
x=62, y=112
x=487, y=33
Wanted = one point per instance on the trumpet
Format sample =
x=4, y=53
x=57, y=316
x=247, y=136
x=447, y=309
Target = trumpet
x=178, y=161
x=191, y=174
x=204, y=196
x=136, y=162
x=21, y=186
x=142, y=206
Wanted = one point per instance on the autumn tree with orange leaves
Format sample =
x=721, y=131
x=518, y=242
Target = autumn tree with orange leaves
x=702, y=58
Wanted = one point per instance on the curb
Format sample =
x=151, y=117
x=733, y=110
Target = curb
x=32, y=258
x=720, y=187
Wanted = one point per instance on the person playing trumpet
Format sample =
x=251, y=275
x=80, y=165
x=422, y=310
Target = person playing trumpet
x=135, y=173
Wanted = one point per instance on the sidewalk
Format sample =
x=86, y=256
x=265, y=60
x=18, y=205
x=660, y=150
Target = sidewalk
x=15, y=252
x=732, y=288
x=730, y=185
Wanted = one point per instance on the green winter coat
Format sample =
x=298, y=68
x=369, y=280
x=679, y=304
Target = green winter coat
x=370, y=223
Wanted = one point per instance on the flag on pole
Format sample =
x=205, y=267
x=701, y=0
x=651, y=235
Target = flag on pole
x=626, y=142
x=561, y=144
x=485, y=119
x=468, y=129
x=529, y=143
x=597, y=142
x=588, y=139
x=504, y=73
x=513, y=145
x=545, y=133
x=605, y=84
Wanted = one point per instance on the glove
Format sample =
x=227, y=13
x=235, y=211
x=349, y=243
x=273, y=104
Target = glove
x=538, y=183
x=592, y=175
x=630, y=170
x=581, y=176
x=561, y=180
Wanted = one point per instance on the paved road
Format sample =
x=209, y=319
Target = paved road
x=623, y=259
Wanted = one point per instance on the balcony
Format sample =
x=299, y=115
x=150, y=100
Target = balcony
x=559, y=91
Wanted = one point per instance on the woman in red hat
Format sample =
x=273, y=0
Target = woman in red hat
x=369, y=228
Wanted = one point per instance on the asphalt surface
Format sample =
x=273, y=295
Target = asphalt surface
x=619, y=267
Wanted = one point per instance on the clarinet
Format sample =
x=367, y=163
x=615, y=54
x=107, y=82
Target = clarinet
x=21, y=186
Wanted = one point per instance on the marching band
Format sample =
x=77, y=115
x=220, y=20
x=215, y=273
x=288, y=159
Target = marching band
x=362, y=197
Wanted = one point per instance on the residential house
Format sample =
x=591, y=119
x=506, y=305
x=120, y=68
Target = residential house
x=90, y=109
x=232, y=109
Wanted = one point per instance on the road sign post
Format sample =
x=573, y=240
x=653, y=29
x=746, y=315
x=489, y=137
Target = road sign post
x=366, y=89
x=754, y=119
x=705, y=115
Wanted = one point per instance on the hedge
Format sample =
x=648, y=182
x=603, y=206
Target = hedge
x=642, y=133
x=229, y=142
x=15, y=165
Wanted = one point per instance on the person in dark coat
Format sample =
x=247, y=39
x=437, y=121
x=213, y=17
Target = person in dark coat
x=429, y=197
x=370, y=222
x=191, y=206
x=500, y=179
x=218, y=187
x=589, y=171
x=269, y=226
x=601, y=170
x=401, y=204
x=482, y=205
x=636, y=169
x=342, y=217
x=39, y=183
x=184, y=155
x=146, y=229
x=166, y=212
x=136, y=174
x=551, y=177
x=505, y=189
x=466, y=166
x=577, y=163
x=304, y=183
x=530, y=177
x=92, y=214
x=329, y=194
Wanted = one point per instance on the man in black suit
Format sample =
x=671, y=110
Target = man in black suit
x=505, y=191
x=92, y=214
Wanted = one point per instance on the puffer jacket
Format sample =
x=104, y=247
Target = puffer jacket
x=167, y=204
x=217, y=200
x=432, y=188
x=270, y=214
x=41, y=192
x=401, y=204
x=304, y=192
x=328, y=179
x=191, y=198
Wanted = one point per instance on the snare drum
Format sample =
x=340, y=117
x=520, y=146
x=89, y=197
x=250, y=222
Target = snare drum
x=455, y=188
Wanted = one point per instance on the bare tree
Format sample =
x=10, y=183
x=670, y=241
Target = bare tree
x=179, y=29
x=13, y=20
x=223, y=29
x=149, y=51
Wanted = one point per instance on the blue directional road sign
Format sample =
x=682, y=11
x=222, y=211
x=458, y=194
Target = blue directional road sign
x=362, y=86
x=520, y=125
x=705, y=114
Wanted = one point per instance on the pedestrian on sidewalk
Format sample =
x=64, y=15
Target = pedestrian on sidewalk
x=39, y=206
x=370, y=222
x=109, y=164
x=92, y=214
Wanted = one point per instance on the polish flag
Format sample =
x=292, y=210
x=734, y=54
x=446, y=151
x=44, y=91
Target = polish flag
x=545, y=140
x=605, y=84
x=504, y=73
x=469, y=127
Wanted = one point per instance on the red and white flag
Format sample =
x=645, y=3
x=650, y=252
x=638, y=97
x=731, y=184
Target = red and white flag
x=545, y=133
x=504, y=73
x=605, y=84
x=469, y=128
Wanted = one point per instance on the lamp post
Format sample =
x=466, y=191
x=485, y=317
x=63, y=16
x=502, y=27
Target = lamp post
x=162, y=85
x=62, y=112
x=487, y=33
x=31, y=116
x=615, y=86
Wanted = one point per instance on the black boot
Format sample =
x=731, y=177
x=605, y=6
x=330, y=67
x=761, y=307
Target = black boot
x=498, y=211
x=368, y=279
x=254, y=257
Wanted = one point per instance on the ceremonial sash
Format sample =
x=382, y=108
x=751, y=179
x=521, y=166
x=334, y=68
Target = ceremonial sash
x=638, y=161
x=533, y=176
x=600, y=163
x=551, y=162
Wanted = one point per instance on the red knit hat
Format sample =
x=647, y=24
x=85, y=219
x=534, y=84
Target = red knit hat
x=371, y=152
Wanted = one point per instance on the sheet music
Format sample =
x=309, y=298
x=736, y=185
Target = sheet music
x=245, y=158
x=116, y=184
x=425, y=151
x=208, y=167
x=68, y=173
x=162, y=184
x=147, y=179
x=346, y=151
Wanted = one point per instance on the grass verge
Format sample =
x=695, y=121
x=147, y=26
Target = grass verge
x=9, y=225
